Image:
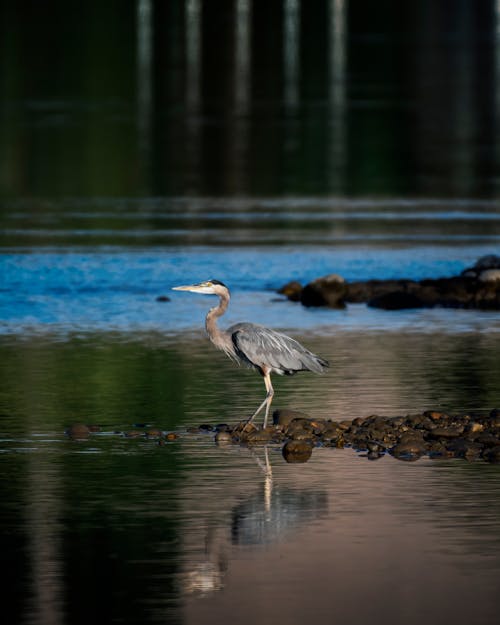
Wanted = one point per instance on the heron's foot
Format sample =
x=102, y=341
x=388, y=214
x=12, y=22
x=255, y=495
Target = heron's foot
x=245, y=427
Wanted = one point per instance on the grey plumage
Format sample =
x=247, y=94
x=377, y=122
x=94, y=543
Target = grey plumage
x=254, y=345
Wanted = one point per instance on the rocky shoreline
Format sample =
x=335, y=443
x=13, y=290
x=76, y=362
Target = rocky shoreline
x=477, y=287
x=432, y=433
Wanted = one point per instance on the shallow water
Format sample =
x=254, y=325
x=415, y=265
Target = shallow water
x=116, y=529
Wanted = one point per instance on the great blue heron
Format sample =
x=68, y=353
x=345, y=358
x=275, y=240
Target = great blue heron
x=254, y=345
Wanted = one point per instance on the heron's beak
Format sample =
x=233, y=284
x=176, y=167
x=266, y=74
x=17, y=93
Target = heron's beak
x=203, y=288
x=188, y=287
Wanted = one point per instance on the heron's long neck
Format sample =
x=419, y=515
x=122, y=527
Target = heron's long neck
x=217, y=336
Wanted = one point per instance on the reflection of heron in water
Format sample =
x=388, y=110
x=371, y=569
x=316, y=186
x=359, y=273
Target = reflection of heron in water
x=269, y=515
x=254, y=345
x=265, y=517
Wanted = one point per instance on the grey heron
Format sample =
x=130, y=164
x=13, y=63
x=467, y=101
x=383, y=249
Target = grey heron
x=254, y=345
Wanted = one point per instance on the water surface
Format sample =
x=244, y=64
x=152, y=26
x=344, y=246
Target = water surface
x=146, y=145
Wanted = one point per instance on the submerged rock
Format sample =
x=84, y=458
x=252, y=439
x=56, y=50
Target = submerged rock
x=78, y=431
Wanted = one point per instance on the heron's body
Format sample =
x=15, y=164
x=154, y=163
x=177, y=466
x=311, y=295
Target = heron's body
x=254, y=345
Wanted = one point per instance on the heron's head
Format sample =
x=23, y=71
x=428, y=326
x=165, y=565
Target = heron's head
x=210, y=287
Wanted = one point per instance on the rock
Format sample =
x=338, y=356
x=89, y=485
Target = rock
x=435, y=415
x=258, y=436
x=446, y=432
x=327, y=291
x=154, y=433
x=476, y=287
x=411, y=449
x=358, y=292
x=284, y=416
x=163, y=298
x=475, y=427
x=487, y=440
x=489, y=275
x=492, y=455
x=301, y=434
x=490, y=261
x=133, y=434
x=292, y=290
x=318, y=425
x=78, y=431
x=297, y=451
x=462, y=448
x=396, y=300
x=223, y=438
x=494, y=418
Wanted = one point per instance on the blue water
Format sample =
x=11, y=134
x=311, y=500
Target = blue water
x=99, y=290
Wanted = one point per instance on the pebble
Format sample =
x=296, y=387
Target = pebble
x=78, y=431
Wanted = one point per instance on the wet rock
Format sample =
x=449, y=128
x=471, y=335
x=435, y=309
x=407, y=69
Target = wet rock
x=327, y=291
x=358, y=292
x=259, y=436
x=78, y=431
x=163, y=298
x=446, y=432
x=494, y=419
x=492, y=455
x=489, y=275
x=297, y=451
x=223, y=438
x=435, y=415
x=463, y=448
x=475, y=427
x=333, y=437
x=133, y=434
x=301, y=434
x=243, y=429
x=410, y=449
x=285, y=416
x=292, y=290
x=490, y=261
x=318, y=425
x=487, y=439
x=396, y=300
x=475, y=287
x=154, y=433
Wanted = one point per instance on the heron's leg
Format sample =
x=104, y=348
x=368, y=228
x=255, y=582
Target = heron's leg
x=267, y=401
x=269, y=396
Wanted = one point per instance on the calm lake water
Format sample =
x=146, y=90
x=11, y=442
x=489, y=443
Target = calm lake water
x=147, y=145
x=121, y=530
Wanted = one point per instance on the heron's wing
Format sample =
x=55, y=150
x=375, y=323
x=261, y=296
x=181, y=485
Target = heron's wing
x=261, y=346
